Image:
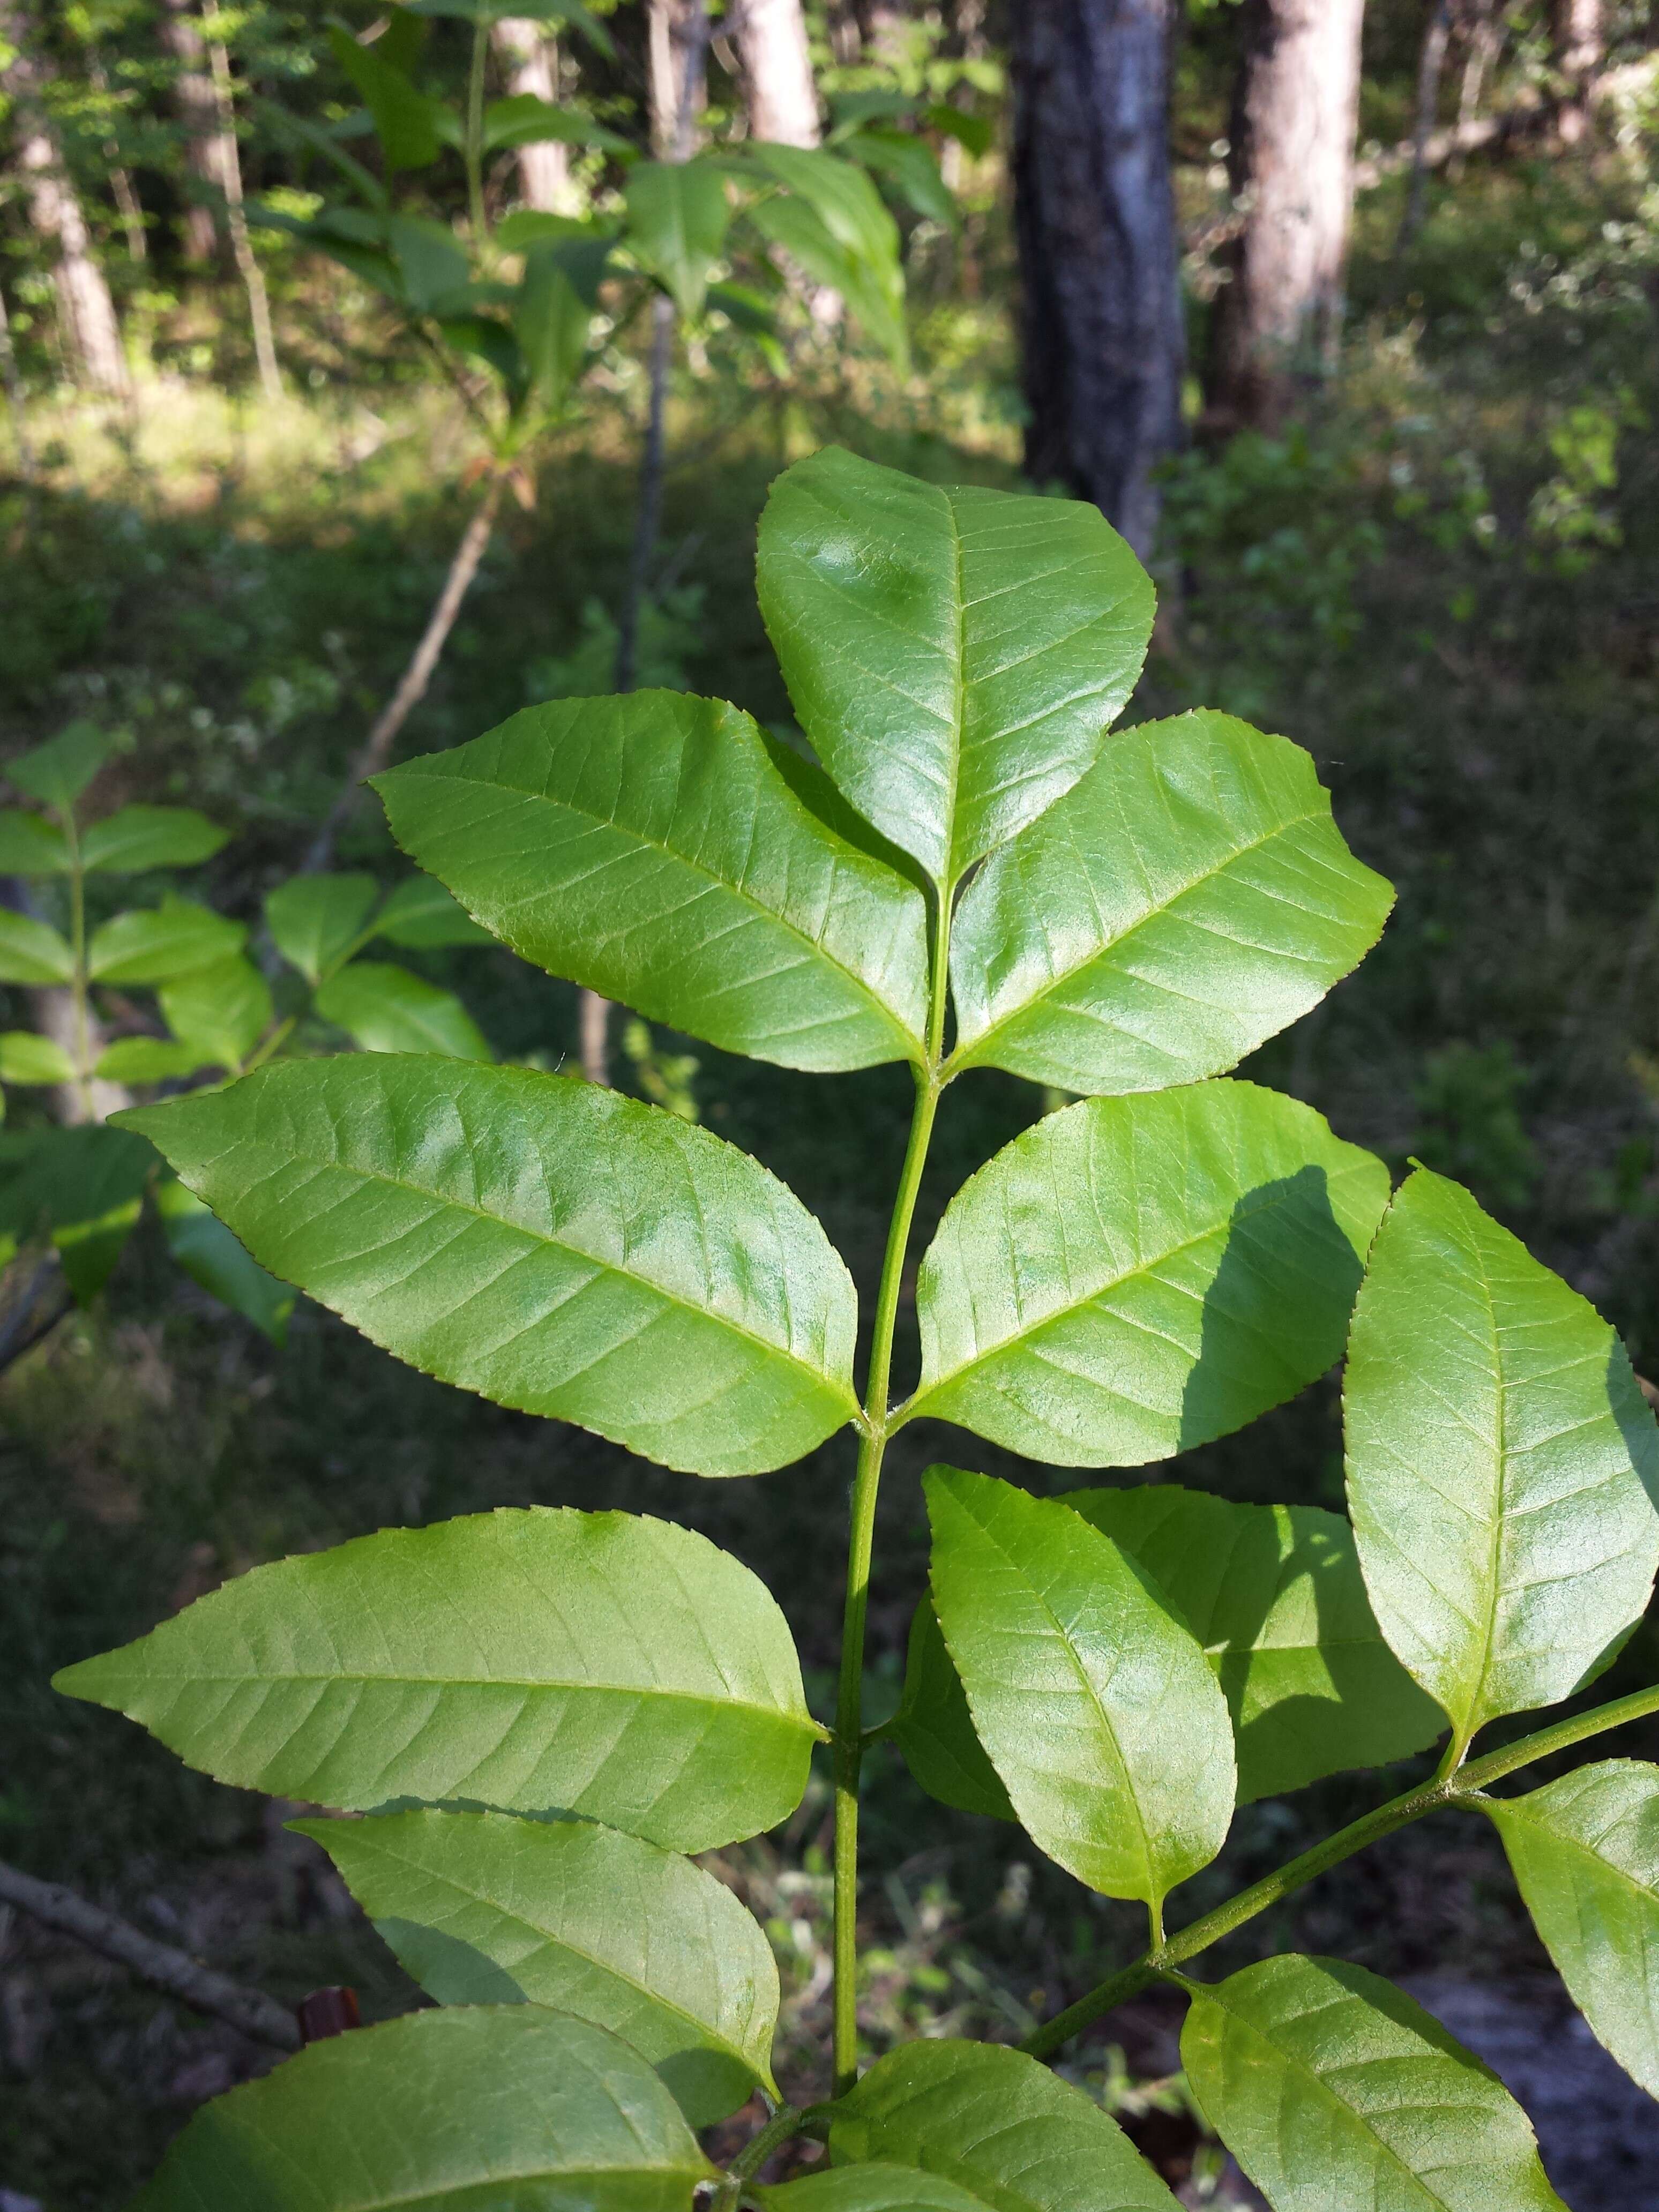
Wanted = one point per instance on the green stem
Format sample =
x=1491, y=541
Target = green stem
x=474, y=132
x=866, y=1482
x=1461, y=1788
x=80, y=986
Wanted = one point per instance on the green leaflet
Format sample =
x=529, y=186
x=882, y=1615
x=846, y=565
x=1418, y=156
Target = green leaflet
x=1188, y=899
x=475, y=2108
x=202, y=1245
x=30, y=845
x=507, y=1659
x=33, y=952
x=997, y=2124
x=831, y=219
x=1274, y=1594
x=1134, y=1276
x=1331, y=2088
x=549, y=1243
x=649, y=847
x=223, y=1010
x=482, y=1909
x=871, y=2189
x=421, y=917
x=1095, y=1703
x=934, y=1729
x=955, y=656
x=314, y=920
x=83, y=1187
x=1585, y=1855
x=139, y=837
x=154, y=944
x=1502, y=1464
x=678, y=218
x=385, y=1008
x=57, y=771
x=27, y=1058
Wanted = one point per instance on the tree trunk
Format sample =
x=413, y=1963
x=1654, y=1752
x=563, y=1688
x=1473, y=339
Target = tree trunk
x=777, y=72
x=198, y=104
x=1431, y=62
x=1103, y=339
x=531, y=60
x=242, y=246
x=1295, y=111
x=91, y=334
x=1483, y=36
x=1578, y=46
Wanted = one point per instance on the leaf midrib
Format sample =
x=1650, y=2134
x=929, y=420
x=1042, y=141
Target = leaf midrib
x=974, y=1046
x=877, y=1005
x=537, y=1238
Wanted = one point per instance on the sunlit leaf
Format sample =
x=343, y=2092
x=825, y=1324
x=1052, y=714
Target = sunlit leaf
x=1134, y=1276
x=507, y=1659
x=484, y=1909
x=140, y=838
x=550, y=1243
x=385, y=1008
x=153, y=945
x=314, y=920
x=201, y=1244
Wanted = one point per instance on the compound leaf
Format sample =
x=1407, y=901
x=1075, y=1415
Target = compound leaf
x=934, y=1729
x=154, y=944
x=649, y=847
x=1585, y=1855
x=314, y=920
x=507, y=1659
x=33, y=952
x=385, y=1008
x=1330, y=2086
x=955, y=656
x=484, y=1909
x=1134, y=1276
x=1502, y=1464
x=140, y=838
x=995, y=2124
x=1274, y=1596
x=1095, y=1703
x=1190, y=897
x=551, y=1244
x=484, y=2104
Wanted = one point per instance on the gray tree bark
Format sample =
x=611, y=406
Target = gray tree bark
x=197, y=102
x=530, y=60
x=1578, y=46
x=777, y=72
x=1295, y=116
x=91, y=336
x=1103, y=339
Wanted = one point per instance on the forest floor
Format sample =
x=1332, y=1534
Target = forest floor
x=1442, y=583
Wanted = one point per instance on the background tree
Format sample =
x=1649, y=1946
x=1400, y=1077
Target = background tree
x=91, y=336
x=196, y=100
x=530, y=59
x=777, y=72
x=1104, y=346
x=1295, y=116
x=1578, y=43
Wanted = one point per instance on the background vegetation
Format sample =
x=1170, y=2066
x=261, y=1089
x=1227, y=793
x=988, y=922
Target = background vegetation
x=1437, y=571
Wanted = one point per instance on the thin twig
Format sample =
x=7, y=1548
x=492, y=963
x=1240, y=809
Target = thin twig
x=242, y=246
x=173, y=1971
x=377, y=747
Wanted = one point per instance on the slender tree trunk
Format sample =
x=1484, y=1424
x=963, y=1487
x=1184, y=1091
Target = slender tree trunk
x=1103, y=339
x=1430, y=63
x=198, y=104
x=679, y=33
x=120, y=180
x=230, y=181
x=777, y=72
x=1578, y=46
x=1484, y=36
x=530, y=58
x=411, y=689
x=14, y=401
x=91, y=334
x=1296, y=113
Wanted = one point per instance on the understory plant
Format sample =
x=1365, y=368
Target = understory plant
x=545, y=1715
x=206, y=1011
